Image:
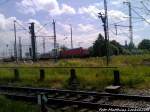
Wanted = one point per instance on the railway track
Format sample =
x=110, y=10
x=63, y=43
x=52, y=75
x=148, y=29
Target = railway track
x=81, y=99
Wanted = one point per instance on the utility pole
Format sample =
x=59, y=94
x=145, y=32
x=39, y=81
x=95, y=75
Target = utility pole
x=7, y=54
x=126, y=44
x=106, y=30
x=104, y=18
x=15, y=44
x=116, y=29
x=33, y=42
x=10, y=51
x=71, y=37
x=20, y=48
x=30, y=52
x=130, y=22
x=55, y=41
x=44, y=48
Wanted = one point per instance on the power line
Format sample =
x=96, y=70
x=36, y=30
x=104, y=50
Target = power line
x=116, y=22
x=113, y=32
x=42, y=27
x=148, y=10
x=138, y=21
x=21, y=25
x=121, y=25
x=9, y=30
x=140, y=16
x=138, y=7
x=116, y=28
x=133, y=17
x=123, y=33
x=125, y=26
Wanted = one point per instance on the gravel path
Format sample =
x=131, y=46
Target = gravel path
x=138, y=92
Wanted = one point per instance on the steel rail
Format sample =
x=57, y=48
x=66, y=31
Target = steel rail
x=87, y=93
x=63, y=102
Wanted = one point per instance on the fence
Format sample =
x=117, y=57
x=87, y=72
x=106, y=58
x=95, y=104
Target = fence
x=72, y=79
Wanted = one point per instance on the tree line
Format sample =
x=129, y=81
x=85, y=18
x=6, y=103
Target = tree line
x=115, y=48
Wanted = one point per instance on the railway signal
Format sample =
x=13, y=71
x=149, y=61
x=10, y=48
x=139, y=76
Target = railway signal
x=33, y=42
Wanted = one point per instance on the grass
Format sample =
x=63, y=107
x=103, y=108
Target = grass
x=7, y=105
x=133, y=73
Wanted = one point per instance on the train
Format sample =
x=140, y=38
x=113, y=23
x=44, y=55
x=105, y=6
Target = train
x=61, y=54
x=77, y=52
x=70, y=53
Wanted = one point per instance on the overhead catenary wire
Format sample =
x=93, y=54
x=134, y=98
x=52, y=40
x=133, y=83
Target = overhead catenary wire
x=140, y=16
x=22, y=28
x=122, y=26
x=146, y=8
x=21, y=25
x=133, y=17
x=117, y=22
x=42, y=27
x=139, y=8
x=112, y=32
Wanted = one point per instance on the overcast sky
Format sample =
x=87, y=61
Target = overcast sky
x=82, y=14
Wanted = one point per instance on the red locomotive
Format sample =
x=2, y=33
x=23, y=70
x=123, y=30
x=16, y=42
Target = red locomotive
x=70, y=53
x=77, y=52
